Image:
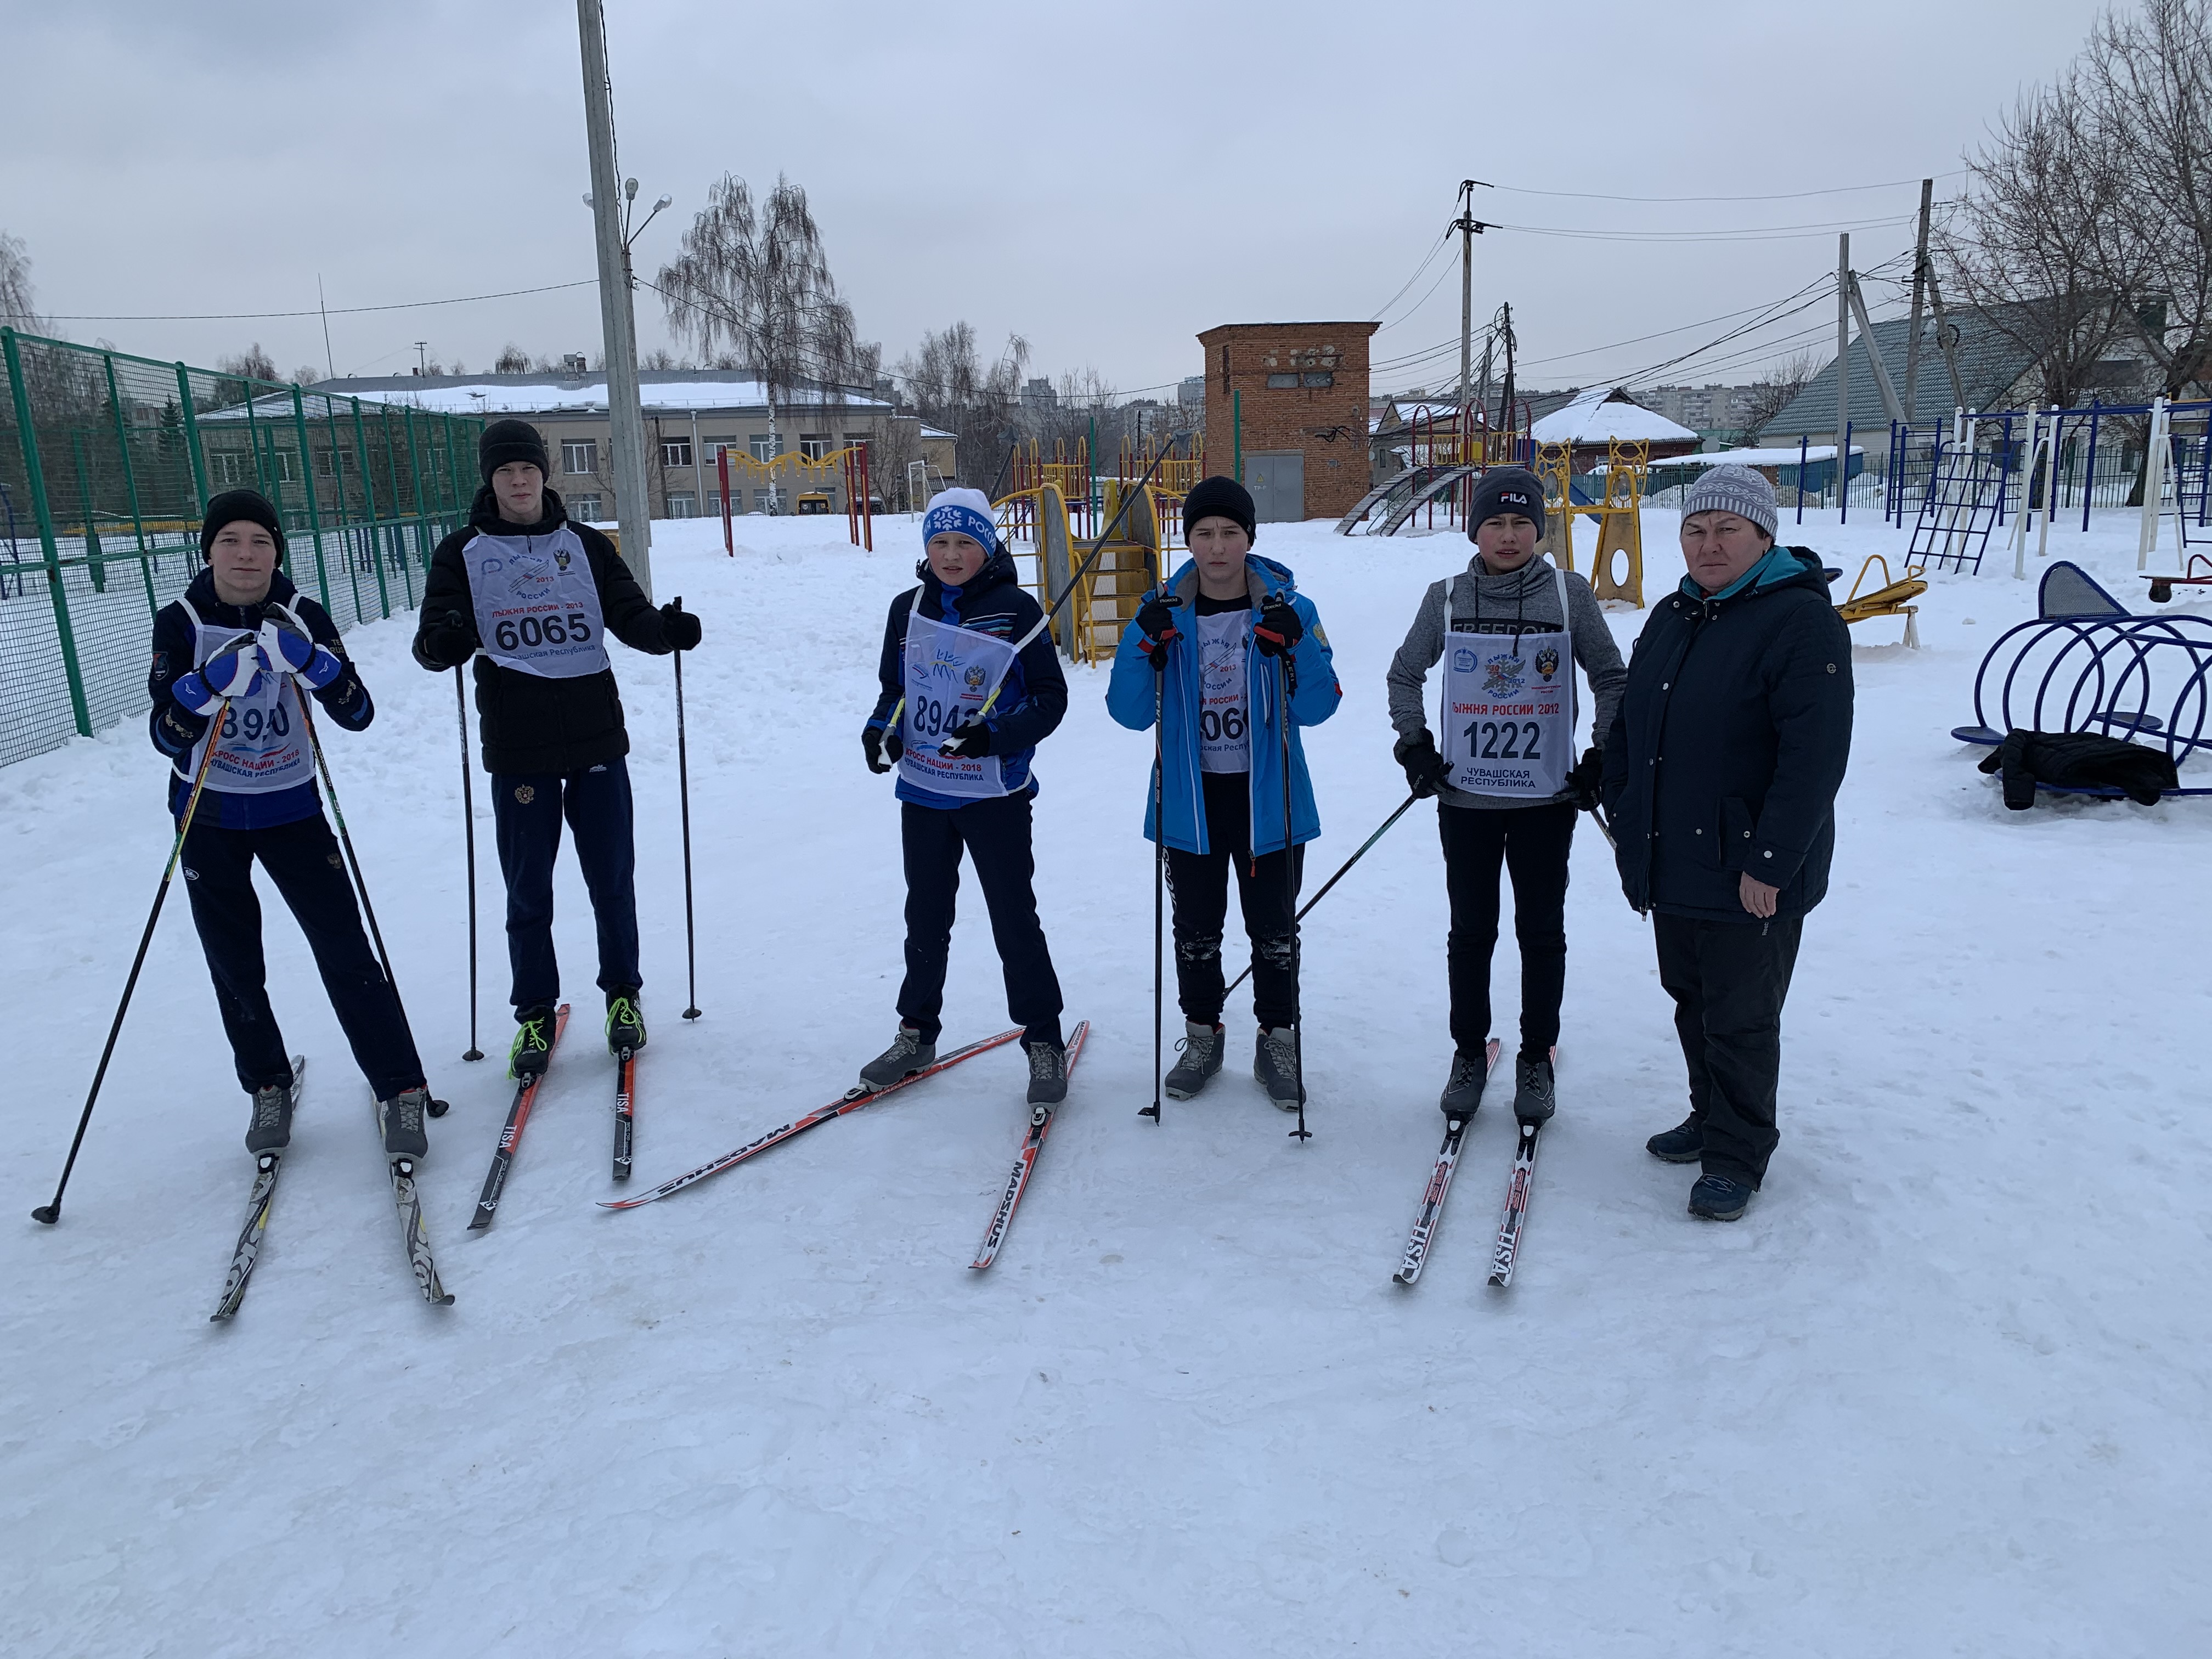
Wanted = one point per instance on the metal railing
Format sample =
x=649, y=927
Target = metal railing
x=106, y=462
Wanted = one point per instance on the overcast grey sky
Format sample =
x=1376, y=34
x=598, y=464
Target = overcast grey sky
x=1106, y=184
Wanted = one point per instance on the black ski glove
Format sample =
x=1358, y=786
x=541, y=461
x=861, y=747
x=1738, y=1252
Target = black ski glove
x=1156, y=630
x=1587, y=778
x=679, y=627
x=446, y=641
x=966, y=741
x=1425, y=770
x=1279, y=629
x=882, y=748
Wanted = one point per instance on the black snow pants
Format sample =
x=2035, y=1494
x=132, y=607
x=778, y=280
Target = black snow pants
x=1532, y=842
x=1267, y=893
x=1728, y=980
x=529, y=808
x=996, y=835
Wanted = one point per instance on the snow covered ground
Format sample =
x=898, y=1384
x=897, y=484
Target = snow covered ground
x=1944, y=1391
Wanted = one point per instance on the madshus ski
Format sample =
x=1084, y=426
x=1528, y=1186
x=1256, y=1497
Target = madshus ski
x=1432, y=1201
x=510, y=1136
x=247, y=1251
x=851, y=1101
x=1041, y=1119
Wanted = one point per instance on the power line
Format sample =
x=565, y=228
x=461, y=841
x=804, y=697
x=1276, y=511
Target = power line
x=1756, y=233
x=1782, y=196
x=335, y=310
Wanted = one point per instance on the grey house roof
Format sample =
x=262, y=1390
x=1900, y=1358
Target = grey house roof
x=1988, y=363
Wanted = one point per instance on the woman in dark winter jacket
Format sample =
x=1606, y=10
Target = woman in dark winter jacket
x=1516, y=629
x=1213, y=652
x=533, y=597
x=1721, y=772
x=244, y=647
x=970, y=686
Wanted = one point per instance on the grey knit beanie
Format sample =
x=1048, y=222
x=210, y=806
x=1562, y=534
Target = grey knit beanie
x=1736, y=490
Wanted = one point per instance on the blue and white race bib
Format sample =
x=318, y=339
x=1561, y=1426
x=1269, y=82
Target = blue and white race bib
x=949, y=672
x=1509, y=708
x=260, y=747
x=1224, y=728
x=538, y=608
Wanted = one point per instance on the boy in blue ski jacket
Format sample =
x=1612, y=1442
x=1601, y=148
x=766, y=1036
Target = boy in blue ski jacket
x=967, y=695
x=1216, y=680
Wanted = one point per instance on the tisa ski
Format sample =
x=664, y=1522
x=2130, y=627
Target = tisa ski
x=502, y=1158
x=851, y=1101
x=247, y=1250
x=1041, y=1117
x=1508, y=1247
x=1432, y=1201
x=625, y=1109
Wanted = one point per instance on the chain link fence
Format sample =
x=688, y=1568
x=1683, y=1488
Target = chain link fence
x=107, y=461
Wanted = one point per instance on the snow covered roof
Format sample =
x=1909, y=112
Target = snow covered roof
x=1604, y=412
x=448, y=395
x=1789, y=457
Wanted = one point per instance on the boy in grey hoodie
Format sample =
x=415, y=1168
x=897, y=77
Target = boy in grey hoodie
x=1505, y=779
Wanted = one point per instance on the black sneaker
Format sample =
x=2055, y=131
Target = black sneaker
x=271, y=1129
x=1719, y=1197
x=1047, y=1073
x=908, y=1054
x=1532, y=1089
x=1275, y=1064
x=1201, y=1058
x=625, y=1024
x=1683, y=1144
x=1463, y=1088
x=401, y=1120
x=533, y=1043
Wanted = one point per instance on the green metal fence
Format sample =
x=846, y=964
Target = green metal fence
x=106, y=462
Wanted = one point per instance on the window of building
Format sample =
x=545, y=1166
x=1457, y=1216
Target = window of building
x=334, y=463
x=580, y=455
x=676, y=452
x=1321, y=378
x=763, y=500
x=680, y=502
x=229, y=466
x=588, y=508
x=759, y=444
x=857, y=441
x=1282, y=382
x=813, y=446
x=712, y=447
x=713, y=503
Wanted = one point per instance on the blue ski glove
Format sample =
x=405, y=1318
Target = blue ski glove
x=291, y=652
x=233, y=672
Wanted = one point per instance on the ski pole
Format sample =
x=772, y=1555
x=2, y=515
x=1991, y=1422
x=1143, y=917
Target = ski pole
x=683, y=799
x=1286, y=682
x=469, y=835
x=49, y=1213
x=438, y=1108
x=1159, y=871
x=1403, y=807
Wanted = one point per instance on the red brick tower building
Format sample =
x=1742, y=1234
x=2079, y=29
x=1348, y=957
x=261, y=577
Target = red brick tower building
x=1293, y=398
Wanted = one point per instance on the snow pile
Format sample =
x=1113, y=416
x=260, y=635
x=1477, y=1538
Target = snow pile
x=1943, y=1391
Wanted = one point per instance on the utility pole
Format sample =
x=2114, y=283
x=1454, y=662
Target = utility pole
x=1843, y=358
x=625, y=419
x=1505, y=398
x=1468, y=228
x=1920, y=288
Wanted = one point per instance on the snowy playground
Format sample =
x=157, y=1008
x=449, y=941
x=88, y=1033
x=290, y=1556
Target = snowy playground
x=1941, y=1392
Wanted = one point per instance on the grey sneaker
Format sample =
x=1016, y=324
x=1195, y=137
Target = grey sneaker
x=401, y=1120
x=906, y=1056
x=271, y=1130
x=1463, y=1088
x=1201, y=1047
x=1532, y=1089
x=1275, y=1064
x=1047, y=1073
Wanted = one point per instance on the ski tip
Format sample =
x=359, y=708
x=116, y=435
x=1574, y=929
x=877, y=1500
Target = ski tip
x=482, y=1224
x=443, y=1301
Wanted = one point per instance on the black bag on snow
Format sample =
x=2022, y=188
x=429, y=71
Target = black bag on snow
x=2079, y=759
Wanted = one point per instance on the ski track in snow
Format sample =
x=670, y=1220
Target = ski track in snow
x=1943, y=1391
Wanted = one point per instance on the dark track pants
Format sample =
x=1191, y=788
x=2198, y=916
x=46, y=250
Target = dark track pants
x=1728, y=980
x=1266, y=893
x=1532, y=842
x=996, y=835
x=302, y=859
x=528, y=809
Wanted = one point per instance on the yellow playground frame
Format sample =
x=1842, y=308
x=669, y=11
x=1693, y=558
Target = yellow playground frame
x=1619, y=516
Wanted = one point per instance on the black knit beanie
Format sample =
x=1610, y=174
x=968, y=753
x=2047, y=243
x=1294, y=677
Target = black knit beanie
x=229, y=508
x=511, y=441
x=1503, y=490
x=1219, y=497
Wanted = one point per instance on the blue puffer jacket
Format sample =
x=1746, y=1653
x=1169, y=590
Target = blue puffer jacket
x=1129, y=698
x=1032, y=701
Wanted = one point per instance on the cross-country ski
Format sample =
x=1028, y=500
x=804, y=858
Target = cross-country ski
x=518, y=1116
x=247, y=1251
x=1424, y=1234
x=1041, y=1120
x=852, y=1100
